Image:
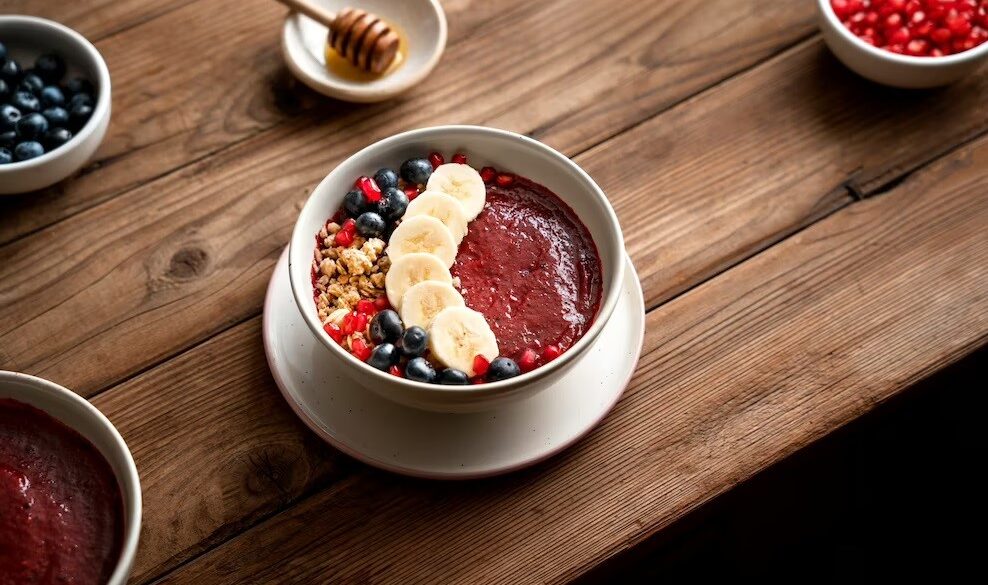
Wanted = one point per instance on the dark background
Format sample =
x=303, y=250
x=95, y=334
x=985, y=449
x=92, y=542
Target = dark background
x=893, y=496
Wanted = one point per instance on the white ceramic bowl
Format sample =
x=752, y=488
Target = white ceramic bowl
x=77, y=413
x=890, y=68
x=423, y=23
x=484, y=146
x=27, y=37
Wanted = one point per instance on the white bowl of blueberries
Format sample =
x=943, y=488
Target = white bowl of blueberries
x=54, y=103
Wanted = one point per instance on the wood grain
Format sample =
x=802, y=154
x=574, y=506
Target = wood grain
x=736, y=374
x=94, y=19
x=172, y=106
x=714, y=180
x=202, y=487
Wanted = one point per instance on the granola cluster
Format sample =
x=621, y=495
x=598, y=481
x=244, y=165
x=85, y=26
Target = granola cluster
x=345, y=275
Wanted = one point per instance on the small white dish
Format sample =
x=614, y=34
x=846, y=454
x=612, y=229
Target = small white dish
x=504, y=150
x=422, y=22
x=433, y=445
x=77, y=413
x=889, y=68
x=27, y=37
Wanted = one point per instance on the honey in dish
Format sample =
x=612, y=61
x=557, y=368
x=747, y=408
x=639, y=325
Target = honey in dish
x=344, y=69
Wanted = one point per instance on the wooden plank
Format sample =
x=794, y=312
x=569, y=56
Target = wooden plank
x=94, y=19
x=737, y=373
x=173, y=107
x=201, y=488
x=697, y=188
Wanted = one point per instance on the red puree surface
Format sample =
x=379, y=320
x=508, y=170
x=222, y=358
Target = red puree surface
x=61, y=513
x=530, y=266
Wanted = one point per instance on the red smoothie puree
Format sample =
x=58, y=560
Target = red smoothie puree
x=61, y=512
x=530, y=266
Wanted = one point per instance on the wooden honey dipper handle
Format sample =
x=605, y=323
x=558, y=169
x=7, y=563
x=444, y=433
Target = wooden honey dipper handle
x=357, y=35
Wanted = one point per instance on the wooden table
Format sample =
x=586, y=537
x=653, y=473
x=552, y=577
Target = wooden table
x=809, y=245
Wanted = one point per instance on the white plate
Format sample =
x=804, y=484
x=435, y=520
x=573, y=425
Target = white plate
x=423, y=22
x=448, y=446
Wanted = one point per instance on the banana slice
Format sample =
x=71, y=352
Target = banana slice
x=411, y=269
x=443, y=207
x=423, y=233
x=463, y=182
x=457, y=335
x=422, y=302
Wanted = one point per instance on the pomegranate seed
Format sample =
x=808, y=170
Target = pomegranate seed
x=359, y=348
x=411, y=191
x=343, y=238
x=916, y=27
x=528, y=360
x=395, y=371
x=381, y=303
x=360, y=322
x=346, y=326
x=371, y=191
x=476, y=381
x=366, y=307
x=488, y=174
x=551, y=352
x=480, y=365
x=504, y=179
x=460, y=158
x=334, y=331
x=349, y=226
x=337, y=217
x=436, y=159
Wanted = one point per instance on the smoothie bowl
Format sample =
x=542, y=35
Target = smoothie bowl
x=70, y=497
x=456, y=268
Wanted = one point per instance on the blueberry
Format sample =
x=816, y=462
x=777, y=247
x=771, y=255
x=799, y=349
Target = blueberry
x=81, y=99
x=4, y=90
x=384, y=356
x=10, y=72
x=56, y=137
x=416, y=170
x=370, y=225
x=51, y=95
x=386, y=178
x=31, y=83
x=25, y=101
x=29, y=149
x=78, y=116
x=9, y=115
x=385, y=327
x=56, y=116
x=502, y=368
x=393, y=203
x=50, y=67
x=6, y=156
x=3, y=52
x=79, y=85
x=453, y=377
x=8, y=139
x=31, y=126
x=354, y=203
x=413, y=341
x=420, y=370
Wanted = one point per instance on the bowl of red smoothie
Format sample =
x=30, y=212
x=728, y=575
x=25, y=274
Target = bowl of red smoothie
x=70, y=498
x=456, y=268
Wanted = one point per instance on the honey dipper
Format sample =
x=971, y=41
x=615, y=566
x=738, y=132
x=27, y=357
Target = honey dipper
x=357, y=35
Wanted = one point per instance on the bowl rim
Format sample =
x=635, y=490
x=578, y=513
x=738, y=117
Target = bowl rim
x=613, y=276
x=130, y=485
x=924, y=62
x=102, y=100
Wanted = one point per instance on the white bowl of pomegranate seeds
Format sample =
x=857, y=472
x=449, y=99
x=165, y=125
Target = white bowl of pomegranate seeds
x=907, y=43
x=457, y=268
